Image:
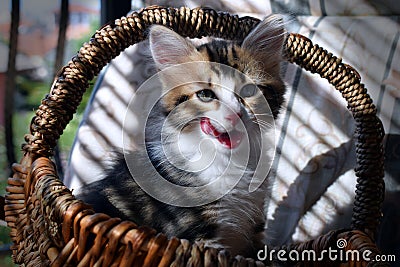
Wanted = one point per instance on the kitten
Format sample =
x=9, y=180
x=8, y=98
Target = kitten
x=199, y=133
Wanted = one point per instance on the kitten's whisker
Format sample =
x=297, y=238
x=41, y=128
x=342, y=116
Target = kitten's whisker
x=269, y=125
x=261, y=114
x=263, y=124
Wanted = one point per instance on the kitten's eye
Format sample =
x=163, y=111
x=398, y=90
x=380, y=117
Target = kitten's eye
x=248, y=90
x=206, y=95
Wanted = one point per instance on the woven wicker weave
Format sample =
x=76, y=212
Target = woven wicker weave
x=50, y=227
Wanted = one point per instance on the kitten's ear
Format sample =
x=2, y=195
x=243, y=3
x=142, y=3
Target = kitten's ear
x=266, y=40
x=169, y=48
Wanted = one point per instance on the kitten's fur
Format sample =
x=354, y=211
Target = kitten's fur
x=236, y=221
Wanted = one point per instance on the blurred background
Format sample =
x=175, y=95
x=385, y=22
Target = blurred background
x=36, y=39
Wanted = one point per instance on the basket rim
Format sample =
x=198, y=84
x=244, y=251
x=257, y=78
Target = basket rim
x=60, y=104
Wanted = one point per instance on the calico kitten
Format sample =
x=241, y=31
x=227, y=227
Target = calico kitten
x=196, y=131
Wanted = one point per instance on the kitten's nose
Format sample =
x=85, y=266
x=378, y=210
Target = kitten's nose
x=233, y=118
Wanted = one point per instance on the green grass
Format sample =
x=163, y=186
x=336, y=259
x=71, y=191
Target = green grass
x=68, y=136
x=21, y=122
x=5, y=236
x=33, y=92
x=6, y=261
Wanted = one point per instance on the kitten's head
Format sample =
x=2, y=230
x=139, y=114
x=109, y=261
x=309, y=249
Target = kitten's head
x=220, y=87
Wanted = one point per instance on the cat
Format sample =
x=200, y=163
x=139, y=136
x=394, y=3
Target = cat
x=193, y=135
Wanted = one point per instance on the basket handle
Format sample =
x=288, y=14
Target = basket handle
x=369, y=130
x=60, y=104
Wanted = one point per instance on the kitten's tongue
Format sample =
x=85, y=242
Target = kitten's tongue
x=230, y=140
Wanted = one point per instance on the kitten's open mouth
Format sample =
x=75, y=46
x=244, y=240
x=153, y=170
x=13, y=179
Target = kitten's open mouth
x=230, y=140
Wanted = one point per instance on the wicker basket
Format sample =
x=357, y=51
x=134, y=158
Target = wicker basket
x=50, y=227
